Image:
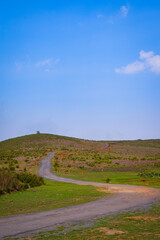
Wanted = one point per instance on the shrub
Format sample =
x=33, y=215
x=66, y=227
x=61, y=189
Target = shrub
x=11, y=168
x=91, y=164
x=134, y=159
x=81, y=167
x=64, y=148
x=56, y=164
x=108, y=180
x=152, y=173
x=11, y=181
x=55, y=156
x=31, y=179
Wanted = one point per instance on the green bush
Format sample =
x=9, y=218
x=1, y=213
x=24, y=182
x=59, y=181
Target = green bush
x=91, y=164
x=134, y=159
x=31, y=179
x=56, y=164
x=152, y=173
x=11, y=181
x=81, y=167
x=108, y=180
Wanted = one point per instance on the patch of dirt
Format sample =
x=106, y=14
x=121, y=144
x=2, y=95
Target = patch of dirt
x=143, y=218
x=108, y=231
x=102, y=190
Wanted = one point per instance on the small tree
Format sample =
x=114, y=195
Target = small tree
x=38, y=132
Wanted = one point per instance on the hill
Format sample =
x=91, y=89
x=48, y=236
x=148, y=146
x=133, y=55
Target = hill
x=27, y=151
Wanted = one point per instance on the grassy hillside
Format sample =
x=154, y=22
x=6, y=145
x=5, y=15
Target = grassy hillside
x=119, y=155
x=27, y=151
x=125, y=162
x=83, y=159
x=22, y=155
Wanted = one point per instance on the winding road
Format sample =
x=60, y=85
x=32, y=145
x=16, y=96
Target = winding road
x=125, y=197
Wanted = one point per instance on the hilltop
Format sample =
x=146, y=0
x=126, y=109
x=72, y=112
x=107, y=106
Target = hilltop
x=27, y=152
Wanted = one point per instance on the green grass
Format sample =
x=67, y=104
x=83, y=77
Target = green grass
x=50, y=196
x=137, y=225
x=115, y=177
x=27, y=151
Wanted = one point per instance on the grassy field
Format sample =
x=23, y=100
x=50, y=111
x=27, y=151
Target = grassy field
x=137, y=225
x=52, y=195
x=26, y=152
x=121, y=162
x=111, y=177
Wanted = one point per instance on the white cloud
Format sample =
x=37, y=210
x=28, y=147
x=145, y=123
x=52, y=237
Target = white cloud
x=45, y=62
x=131, y=68
x=144, y=54
x=148, y=61
x=124, y=10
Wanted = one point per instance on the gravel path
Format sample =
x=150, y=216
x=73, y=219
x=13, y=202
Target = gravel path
x=126, y=197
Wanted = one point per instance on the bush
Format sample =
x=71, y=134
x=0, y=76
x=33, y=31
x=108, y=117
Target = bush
x=91, y=164
x=152, y=173
x=31, y=179
x=81, y=167
x=134, y=159
x=108, y=180
x=11, y=181
x=56, y=164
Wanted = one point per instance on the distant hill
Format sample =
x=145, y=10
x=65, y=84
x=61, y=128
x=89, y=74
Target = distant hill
x=27, y=151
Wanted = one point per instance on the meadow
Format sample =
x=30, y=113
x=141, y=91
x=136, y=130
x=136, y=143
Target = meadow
x=123, y=162
x=52, y=195
x=141, y=225
x=22, y=156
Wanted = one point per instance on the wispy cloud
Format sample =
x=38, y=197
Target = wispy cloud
x=120, y=13
x=124, y=10
x=148, y=60
x=100, y=16
x=47, y=64
x=18, y=66
x=110, y=20
x=57, y=61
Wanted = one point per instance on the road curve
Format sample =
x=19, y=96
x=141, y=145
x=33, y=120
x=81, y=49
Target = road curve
x=126, y=197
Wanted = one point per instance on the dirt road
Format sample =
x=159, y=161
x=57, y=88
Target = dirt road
x=126, y=197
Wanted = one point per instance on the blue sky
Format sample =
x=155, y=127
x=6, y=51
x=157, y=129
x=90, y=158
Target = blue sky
x=88, y=69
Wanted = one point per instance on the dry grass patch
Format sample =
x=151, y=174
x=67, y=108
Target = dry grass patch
x=145, y=218
x=108, y=231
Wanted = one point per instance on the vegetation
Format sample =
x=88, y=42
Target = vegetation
x=52, y=195
x=114, y=177
x=151, y=174
x=124, y=162
x=28, y=151
x=10, y=181
x=142, y=225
